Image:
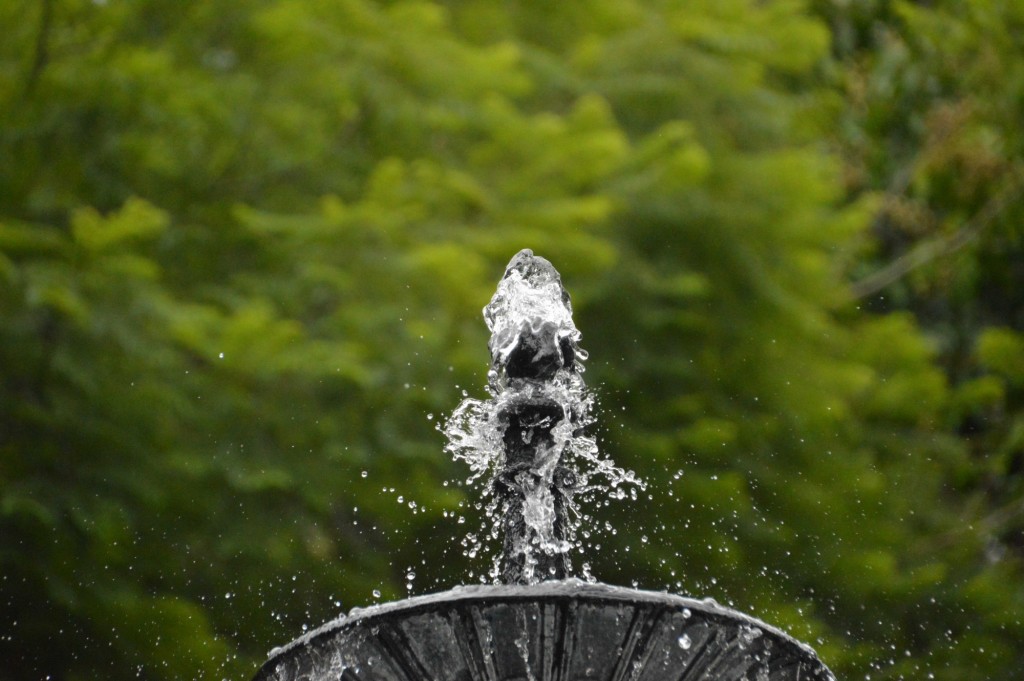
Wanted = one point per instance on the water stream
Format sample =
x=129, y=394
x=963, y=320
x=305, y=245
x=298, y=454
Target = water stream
x=527, y=444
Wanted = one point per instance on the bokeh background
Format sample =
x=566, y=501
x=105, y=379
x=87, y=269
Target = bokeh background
x=244, y=247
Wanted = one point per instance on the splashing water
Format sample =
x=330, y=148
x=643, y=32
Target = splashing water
x=527, y=441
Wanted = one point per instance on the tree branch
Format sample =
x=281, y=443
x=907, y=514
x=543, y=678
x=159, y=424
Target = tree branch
x=41, y=53
x=935, y=248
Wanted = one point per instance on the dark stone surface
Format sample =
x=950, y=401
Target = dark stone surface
x=554, y=631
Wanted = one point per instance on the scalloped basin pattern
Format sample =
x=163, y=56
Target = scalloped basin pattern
x=554, y=631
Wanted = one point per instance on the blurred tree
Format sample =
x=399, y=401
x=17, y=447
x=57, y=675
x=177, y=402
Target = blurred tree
x=243, y=250
x=933, y=98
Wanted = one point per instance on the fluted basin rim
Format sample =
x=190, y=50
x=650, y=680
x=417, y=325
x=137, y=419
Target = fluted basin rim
x=566, y=589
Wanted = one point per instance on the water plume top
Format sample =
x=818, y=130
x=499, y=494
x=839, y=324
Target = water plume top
x=530, y=320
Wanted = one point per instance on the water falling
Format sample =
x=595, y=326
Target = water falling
x=528, y=441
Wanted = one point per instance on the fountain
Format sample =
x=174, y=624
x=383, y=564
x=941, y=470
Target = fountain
x=538, y=622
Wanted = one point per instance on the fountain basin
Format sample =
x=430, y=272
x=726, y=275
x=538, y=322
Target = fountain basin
x=566, y=630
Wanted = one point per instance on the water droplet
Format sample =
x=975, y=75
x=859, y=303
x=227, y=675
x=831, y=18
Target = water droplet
x=376, y=593
x=363, y=474
x=221, y=355
x=684, y=642
x=748, y=635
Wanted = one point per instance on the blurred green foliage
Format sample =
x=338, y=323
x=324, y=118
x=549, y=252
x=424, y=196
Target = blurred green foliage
x=244, y=247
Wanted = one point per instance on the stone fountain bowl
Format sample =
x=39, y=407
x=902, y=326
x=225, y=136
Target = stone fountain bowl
x=565, y=630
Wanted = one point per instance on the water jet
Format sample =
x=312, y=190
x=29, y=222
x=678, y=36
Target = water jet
x=538, y=622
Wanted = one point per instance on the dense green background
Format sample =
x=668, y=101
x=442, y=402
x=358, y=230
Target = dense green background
x=244, y=247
